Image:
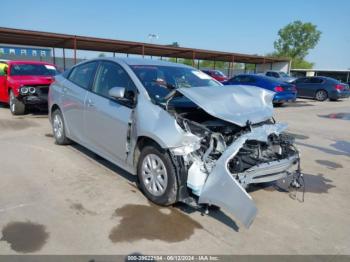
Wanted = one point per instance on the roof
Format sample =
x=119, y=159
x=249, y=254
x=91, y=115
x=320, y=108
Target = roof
x=55, y=40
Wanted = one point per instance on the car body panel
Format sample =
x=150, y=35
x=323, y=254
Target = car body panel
x=112, y=130
x=14, y=83
x=235, y=104
x=308, y=86
x=269, y=83
x=114, y=118
x=280, y=76
x=217, y=75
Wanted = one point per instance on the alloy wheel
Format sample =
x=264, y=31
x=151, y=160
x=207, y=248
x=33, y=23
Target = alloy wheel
x=58, y=126
x=154, y=174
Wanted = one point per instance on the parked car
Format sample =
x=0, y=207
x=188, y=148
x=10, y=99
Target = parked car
x=186, y=137
x=321, y=88
x=25, y=83
x=285, y=92
x=280, y=75
x=216, y=74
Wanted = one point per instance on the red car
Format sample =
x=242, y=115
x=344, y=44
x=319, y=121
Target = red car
x=216, y=74
x=25, y=83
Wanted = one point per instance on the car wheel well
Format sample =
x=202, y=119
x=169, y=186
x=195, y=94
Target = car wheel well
x=54, y=108
x=142, y=141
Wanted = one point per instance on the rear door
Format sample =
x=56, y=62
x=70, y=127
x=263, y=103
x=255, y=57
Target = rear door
x=301, y=85
x=74, y=94
x=312, y=85
x=107, y=119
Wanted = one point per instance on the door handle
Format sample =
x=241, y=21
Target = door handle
x=64, y=89
x=90, y=103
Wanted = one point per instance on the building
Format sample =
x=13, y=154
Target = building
x=342, y=75
x=27, y=51
x=52, y=41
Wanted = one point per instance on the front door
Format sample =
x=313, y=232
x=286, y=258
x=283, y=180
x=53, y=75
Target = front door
x=106, y=119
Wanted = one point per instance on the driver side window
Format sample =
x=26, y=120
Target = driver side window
x=111, y=75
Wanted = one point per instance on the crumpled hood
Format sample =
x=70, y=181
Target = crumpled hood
x=236, y=104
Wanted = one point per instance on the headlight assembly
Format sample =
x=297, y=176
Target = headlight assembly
x=32, y=90
x=24, y=90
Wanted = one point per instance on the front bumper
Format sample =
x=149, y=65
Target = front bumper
x=223, y=189
x=34, y=99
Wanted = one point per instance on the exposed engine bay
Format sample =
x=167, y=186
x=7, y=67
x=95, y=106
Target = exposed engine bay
x=262, y=153
x=217, y=134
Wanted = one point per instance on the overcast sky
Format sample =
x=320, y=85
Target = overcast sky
x=225, y=25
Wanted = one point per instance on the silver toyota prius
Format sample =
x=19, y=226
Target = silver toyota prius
x=187, y=137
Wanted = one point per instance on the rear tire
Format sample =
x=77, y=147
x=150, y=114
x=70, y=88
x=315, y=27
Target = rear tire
x=279, y=104
x=59, y=129
x=157, y=175
x=17, y=107
x=321, y=95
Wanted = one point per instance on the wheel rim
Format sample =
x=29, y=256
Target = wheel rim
x=58, y=126
x=321, y=95
x=12, y=102
x=154, y=175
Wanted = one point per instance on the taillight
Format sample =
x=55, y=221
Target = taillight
x=339, y=87
x=279, y=89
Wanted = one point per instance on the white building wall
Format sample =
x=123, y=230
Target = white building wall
x=277, y=66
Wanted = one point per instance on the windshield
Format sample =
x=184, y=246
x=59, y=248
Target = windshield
x=283, y=74
x=219, y=73
x=160, y=80
x=33, y=70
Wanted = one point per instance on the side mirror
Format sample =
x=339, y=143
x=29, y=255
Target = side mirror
x=117, y=92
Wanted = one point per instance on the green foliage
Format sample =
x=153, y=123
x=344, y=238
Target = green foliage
x=296, y=39
x=174, y=44
x=301, y=64
x=294, y=42
x=102, y=55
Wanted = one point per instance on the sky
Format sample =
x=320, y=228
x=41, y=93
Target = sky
x=248, y=27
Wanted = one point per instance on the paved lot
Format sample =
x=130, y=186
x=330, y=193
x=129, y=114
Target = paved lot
x=65, y=200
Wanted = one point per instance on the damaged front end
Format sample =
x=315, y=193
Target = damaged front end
x=228, y=157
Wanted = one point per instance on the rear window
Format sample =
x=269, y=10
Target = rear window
x=33, y=70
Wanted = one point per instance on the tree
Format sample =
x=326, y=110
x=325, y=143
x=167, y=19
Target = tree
x=102, y=55
x=295, y=40
x=174, y=44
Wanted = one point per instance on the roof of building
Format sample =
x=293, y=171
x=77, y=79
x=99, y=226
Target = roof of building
x=55, y=40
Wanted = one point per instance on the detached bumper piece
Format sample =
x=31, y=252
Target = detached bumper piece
x=268, y=172
x=227, y=190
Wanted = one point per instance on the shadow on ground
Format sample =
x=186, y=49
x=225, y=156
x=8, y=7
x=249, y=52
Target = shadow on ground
x=343, y=148
x=316, y=184
x=298, y=103
x=215, y=212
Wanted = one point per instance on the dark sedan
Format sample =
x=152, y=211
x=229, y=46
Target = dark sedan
x=285, y=92
x=321, y=88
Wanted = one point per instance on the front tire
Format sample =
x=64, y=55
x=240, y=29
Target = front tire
x=17, y=107
x=278, y=104
x=157, y=175
x=58, y=128
x=321, y=95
